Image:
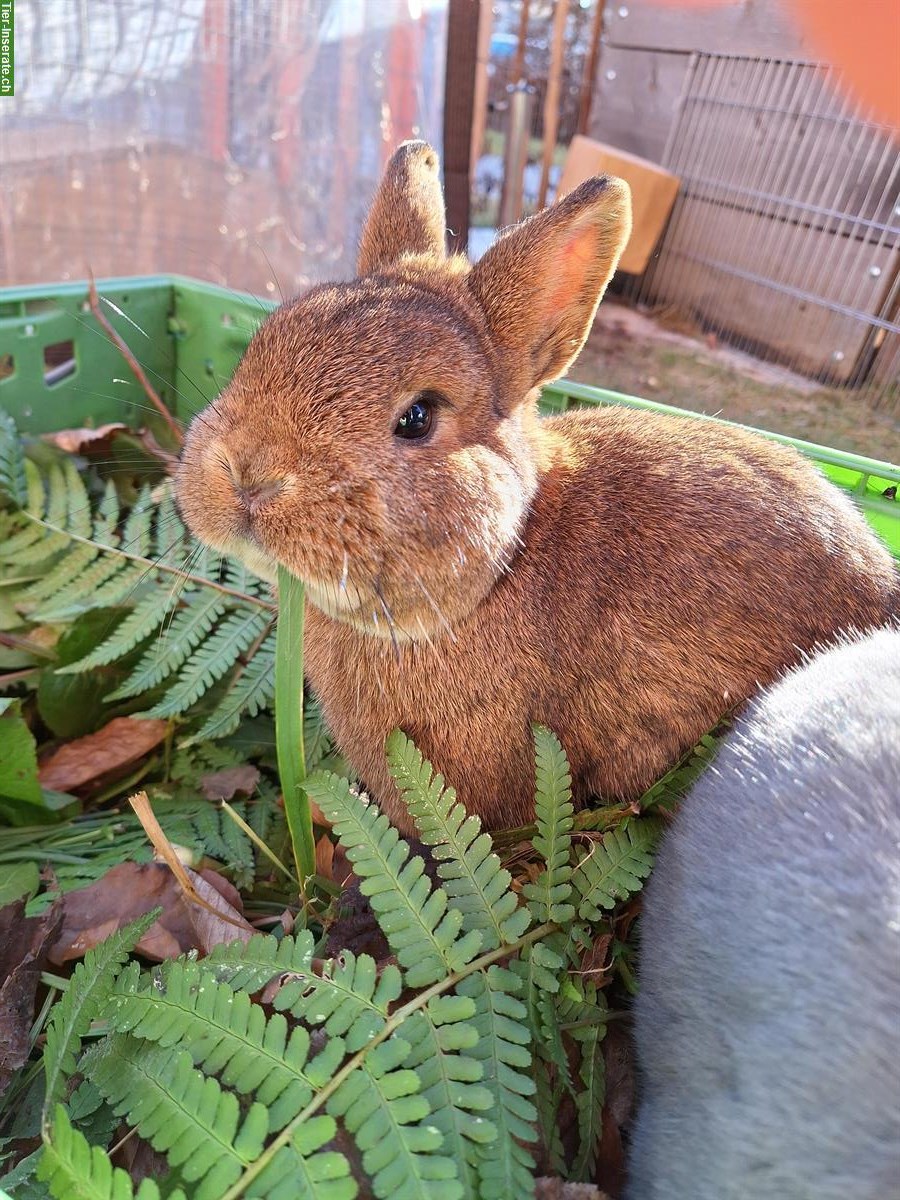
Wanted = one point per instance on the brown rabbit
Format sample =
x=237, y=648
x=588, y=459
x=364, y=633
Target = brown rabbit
x=620, y=577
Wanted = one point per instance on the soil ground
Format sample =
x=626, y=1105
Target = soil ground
x=628, y=352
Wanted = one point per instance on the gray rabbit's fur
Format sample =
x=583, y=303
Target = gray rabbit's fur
x=768, y=1020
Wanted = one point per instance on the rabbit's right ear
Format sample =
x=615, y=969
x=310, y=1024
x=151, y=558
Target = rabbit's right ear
x=540, y=283
x=407, y=215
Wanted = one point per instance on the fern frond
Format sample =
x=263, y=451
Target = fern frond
x=13, y=485
x=306, y=1170
x=106, y=518
x=136, y=531
x=76, y=594
x=549, y=896
x=505, y=1167
x=473, y=877
x=348, y=997
x=250, y=692
x=382, y=1108
x=146, y=616
x=424, y=933
x=547, y=1101
x=75, y=1170
x=68, y=567
x=440, y=1037
x=614, y=868
x=226, y=1034
x=317, y=742
x=188, y=628
x=89, y=987
x=248, y=966
x=583, y=1007
x=216, y=655
x=169, y=533
x=180, y=1112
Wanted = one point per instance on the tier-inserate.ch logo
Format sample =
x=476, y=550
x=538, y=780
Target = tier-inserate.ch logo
x=7, y=48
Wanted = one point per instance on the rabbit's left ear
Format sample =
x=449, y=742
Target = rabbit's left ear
x=540, y=283
x=407, y=214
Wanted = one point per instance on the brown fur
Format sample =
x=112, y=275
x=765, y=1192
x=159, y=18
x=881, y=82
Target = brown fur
x=618, y=576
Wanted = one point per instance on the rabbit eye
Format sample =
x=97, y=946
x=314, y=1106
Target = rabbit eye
x=417, y=420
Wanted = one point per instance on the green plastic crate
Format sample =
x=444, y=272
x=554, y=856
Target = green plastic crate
x=59, y=370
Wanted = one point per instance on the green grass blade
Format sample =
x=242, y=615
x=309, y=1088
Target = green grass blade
x=289, y=720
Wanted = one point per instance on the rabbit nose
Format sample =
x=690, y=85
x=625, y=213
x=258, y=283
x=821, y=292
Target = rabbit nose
x=254, y=495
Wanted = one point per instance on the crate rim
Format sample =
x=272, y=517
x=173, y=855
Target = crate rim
x=865, y=465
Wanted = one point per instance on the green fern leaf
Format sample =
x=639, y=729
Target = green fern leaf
x=180, y=1112
x=13, y=485
x=89, y=987
x=106, y=518
x=547, y=1101
x=250, y=692
x=78, y=593
x=306, y=1170
x=78, y=505
x=505, y=1167
x=584, y=1007
x=450, y=1080
x=136, y=531
x=381, y=1107
x=239, y=849
x=421, y=929
x=472, y=875
x=612, y=869
x=75, y=1170
x=70, y=566
x=249, y=966
x=188, y=628
x=317, y=742
x=146, y=616
x=216, y=655
x=348, y=997
x=169, y=534
x=226, y=1035
x=549, y=896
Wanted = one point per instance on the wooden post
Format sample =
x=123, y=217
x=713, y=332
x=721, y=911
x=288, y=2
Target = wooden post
x=518, y=70
x=551, y=100
x=464, y=18
x=590, y=68
x=482, y=61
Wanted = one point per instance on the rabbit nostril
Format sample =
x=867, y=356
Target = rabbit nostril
x=254, y=495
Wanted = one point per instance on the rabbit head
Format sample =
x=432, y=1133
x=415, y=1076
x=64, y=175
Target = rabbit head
x=379, y=437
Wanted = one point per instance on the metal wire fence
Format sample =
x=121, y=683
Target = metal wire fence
x=785, y=238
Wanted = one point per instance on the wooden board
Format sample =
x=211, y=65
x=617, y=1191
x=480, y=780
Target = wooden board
x=653, y=193
x=759, y=27
x=636, y=98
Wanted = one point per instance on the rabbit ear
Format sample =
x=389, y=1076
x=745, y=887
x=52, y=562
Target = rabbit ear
x=540, y=283
x=407, y=214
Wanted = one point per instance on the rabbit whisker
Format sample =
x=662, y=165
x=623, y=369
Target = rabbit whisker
x=437, y=609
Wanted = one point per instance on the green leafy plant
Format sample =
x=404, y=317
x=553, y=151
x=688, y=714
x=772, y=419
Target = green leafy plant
x=428, y=1078
x=197, y=632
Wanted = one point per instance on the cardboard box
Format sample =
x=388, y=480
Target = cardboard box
x=653, y=193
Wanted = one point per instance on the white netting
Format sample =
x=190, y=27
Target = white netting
x=234, y=140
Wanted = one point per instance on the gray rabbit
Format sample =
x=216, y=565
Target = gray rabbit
x=768, y=1020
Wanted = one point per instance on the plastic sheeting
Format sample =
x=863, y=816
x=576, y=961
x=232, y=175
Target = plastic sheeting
x=238, y=141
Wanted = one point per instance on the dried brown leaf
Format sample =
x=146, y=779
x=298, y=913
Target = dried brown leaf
x=225, y=785
x=78, y=764
x=24, y=945
x=91, y=914
x=73, y=441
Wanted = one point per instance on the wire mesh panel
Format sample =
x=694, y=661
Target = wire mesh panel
x=786, y=234
x=235, y=140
